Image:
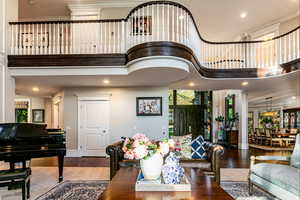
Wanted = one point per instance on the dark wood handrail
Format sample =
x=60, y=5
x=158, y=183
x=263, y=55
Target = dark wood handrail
x=148, y=4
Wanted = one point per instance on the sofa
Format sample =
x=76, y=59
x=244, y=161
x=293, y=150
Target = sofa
x=280, y=180
x=211, y=165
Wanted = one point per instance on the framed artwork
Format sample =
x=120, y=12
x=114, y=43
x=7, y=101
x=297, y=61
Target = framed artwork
x=38, y=116
x=149, y=106
x=41, y=38
x=142, y=25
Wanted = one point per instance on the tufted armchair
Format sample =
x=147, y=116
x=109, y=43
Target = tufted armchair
x=281, y=180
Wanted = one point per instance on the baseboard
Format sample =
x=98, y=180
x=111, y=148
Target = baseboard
x=73, y=153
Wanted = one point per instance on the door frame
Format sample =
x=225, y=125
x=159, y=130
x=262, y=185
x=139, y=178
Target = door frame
x=82, y=99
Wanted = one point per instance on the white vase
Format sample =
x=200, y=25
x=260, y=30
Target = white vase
x=151, y=167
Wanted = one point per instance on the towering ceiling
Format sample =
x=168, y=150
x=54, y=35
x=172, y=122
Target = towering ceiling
x=218, y=20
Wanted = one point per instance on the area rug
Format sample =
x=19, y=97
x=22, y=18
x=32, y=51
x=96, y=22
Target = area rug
x=268, y=148
x=75, y=190
x=45, y=178
x=239, y=191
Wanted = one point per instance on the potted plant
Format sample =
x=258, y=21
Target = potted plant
x=232, y=120
x=267, y=122
x=149, y=152
x=220, y=120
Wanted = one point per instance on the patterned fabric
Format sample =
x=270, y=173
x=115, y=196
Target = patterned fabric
x=198, y=148
x=183, y=145
x=75, y=190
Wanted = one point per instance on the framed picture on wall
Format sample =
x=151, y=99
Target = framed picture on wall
x=38, y=115
x=142, y=25
x=149, y=106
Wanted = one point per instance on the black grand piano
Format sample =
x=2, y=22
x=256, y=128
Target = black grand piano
x=20, y=142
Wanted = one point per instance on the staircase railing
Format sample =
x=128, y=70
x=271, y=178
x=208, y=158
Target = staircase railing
x=150, y=22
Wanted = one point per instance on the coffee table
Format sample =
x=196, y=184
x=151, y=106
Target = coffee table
x=203, y=187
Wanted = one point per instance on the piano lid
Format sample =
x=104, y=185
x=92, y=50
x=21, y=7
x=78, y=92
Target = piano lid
x=11, y=132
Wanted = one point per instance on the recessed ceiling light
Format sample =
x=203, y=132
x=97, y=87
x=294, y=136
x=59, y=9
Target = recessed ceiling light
x=35, y=89
x=181, y=17
x=192, y=84
x=245, y=83
x=294, y=98
x=243, y=15
x=106, y=81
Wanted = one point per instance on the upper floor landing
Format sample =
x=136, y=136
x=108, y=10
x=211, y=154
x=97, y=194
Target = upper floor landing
x=158, y=28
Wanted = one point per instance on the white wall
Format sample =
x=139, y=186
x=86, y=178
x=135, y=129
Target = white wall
x=123, y=119
x=8, y=12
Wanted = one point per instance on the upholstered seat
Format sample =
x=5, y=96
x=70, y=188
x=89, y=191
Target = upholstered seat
x=283, y=181
x=14, y=174
x=280, y=175
x=196, y=163
x=17, y=176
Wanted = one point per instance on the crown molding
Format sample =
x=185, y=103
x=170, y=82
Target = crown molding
x=96, y=5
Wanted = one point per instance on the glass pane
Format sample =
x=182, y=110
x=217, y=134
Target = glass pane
x=21, y=115
x=298, y=119
x=171, y=97
x=185, y=97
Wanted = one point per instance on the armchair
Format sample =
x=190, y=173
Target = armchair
x=280, y=180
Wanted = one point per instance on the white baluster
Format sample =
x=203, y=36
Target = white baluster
x=157, y=22
x=298, y=43
x=163, y=23
x=168, y=22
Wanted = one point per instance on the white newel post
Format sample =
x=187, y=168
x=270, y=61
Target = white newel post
x=243, y=121
x=8, y=12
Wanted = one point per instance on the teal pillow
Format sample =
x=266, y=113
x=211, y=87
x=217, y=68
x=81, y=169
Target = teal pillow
x=295, y=158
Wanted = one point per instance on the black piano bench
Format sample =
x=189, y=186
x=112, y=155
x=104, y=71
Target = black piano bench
x=15, y=177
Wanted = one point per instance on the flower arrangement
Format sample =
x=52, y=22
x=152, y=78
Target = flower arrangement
x=140, y=147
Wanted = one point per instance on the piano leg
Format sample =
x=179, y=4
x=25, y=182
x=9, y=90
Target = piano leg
x=12, y=165
x=60, y=167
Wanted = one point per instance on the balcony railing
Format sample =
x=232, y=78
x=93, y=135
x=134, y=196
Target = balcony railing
x=150, y=22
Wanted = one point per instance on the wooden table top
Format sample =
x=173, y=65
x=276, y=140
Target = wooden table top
x=122, y=187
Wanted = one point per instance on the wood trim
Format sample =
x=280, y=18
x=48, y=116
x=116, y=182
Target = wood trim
x=139, y=51
x=291, y=66
x=181, y=51
x=67, y=60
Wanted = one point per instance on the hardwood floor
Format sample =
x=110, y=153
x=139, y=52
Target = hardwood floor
x=232, y=158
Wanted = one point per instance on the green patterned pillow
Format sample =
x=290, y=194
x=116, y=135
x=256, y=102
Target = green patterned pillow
x=183, y=144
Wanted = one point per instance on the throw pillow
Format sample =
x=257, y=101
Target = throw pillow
x=183, y=145
x=198, y=148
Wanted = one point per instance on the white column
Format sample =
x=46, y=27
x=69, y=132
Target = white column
x=243, y=121
x=8, y=12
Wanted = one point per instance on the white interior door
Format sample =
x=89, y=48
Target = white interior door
x=94, y=127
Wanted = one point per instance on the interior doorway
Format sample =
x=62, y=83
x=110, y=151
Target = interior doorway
x=93, y=124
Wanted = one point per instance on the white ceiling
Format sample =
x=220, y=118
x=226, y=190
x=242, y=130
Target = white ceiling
x=218, y=20
x=281, y=88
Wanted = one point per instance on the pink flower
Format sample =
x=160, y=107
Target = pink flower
x=140, y=152
x=129, y=155
x=140, y=137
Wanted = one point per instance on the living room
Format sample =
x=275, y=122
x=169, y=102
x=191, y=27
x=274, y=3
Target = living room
x=81, y=76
